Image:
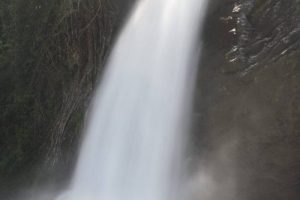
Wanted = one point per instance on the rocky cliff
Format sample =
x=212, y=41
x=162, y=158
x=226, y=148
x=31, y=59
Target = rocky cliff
x=246, y=119
x=248, y=98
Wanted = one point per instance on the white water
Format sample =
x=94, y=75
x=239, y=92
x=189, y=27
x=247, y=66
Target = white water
x=135, y=135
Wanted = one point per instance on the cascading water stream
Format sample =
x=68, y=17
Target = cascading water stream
x=135, y=134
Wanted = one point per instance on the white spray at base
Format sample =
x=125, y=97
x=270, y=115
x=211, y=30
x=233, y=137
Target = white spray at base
x=135, y=135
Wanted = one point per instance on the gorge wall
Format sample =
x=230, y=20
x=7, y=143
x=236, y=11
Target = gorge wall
x=246, y=113
x=247, y=99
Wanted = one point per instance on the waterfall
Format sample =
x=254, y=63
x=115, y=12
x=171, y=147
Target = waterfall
x=136, y=131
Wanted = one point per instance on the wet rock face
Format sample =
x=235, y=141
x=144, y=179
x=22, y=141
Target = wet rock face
x=268, y=30
x=247, y=103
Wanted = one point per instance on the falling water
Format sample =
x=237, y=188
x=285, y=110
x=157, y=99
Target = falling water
x=135, y=135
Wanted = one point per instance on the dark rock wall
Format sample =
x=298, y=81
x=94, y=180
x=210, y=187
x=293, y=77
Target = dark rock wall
x=248, y=98
x=50, y=55
x=246, y=120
